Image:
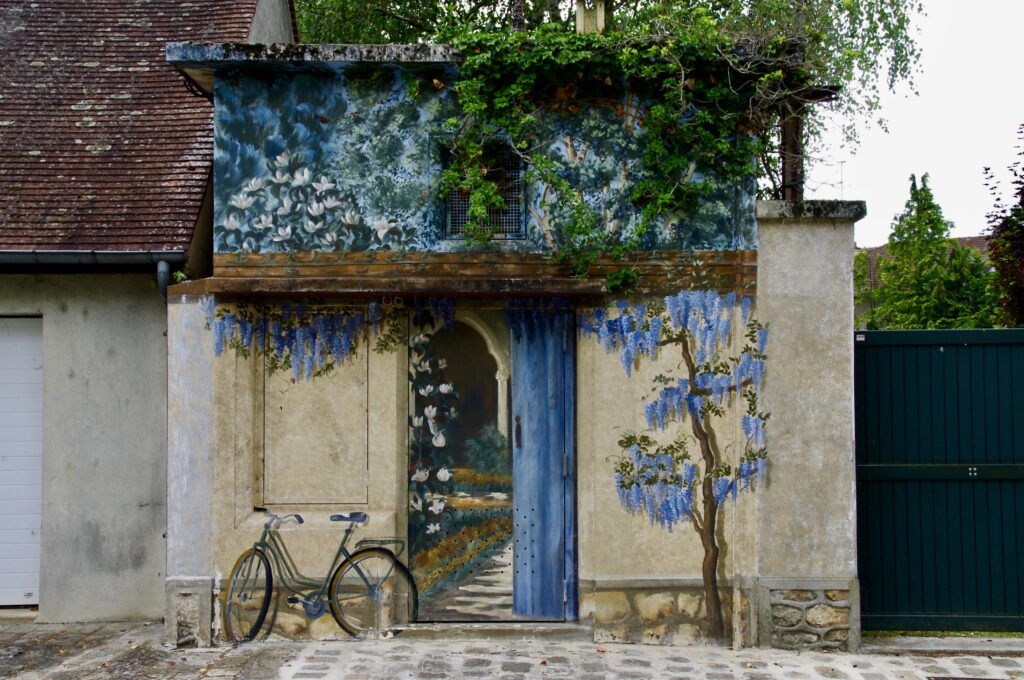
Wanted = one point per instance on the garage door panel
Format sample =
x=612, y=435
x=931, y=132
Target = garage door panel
x=21, y=420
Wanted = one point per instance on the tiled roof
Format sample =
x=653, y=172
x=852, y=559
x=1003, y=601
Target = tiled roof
x=979, y=243
x=102, y=144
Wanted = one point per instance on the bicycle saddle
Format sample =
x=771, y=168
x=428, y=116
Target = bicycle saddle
x=357, y=517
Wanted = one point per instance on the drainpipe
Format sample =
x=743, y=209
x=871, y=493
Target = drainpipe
x=163, y=277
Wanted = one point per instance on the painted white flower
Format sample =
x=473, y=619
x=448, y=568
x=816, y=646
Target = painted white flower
x=446, y=388
x=301, y=178
x=283, y=159
x=426, y=390
x=433, y=528
x=312, y=226
x=315, y=209
x=232, y=223
x=443, y=475
x=351, y=218
x=415, y=502
x=286, y=206
x=452, y=413
x=417, y=421
x=419, y=339
x=331, y=203
x=437, y=506
x=264, y=222
x=241, y=201
x=421, y=474
x=439, y=441
x=434, y=427
x=323, y=185
x=442, y=363
x=329, y=239
x=381, y=227
x=430, y=412
x=281, y=177
x=283, y=233
x=422, y=366
x=254, y=185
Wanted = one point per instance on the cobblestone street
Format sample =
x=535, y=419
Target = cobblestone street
x=129, y=651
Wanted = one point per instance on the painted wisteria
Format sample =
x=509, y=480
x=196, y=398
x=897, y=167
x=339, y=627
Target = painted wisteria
x=309, y=340
x=689, y=480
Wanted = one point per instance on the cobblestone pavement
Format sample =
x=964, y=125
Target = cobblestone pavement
x=130, y=651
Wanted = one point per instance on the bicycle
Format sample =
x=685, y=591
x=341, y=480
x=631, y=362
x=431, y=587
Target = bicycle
x=369, y=591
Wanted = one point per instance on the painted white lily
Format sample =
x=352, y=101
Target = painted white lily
x=283, y=159
x=283, y=233
x=442, y=363
x=426, y=390
x=446, y=388
x=439, y=441
x=421, y=474
x=437, y=506
x=452, y=413
x=415, y=502
x=351, y=218
x=330, y=239
x=381, y=227
x=417, y=421
x=241, y=201
x=281, y=177
x=254, y=185
x=312, y=226
x=433, y=528
x=331, y=203
x=323, y=185
x=232, y=223
x=430, y=412
x=315, y=209
x=443, y=475
x=264, y=222
x=301, y=178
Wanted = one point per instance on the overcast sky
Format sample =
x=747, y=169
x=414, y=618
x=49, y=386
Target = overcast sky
x=970, y=102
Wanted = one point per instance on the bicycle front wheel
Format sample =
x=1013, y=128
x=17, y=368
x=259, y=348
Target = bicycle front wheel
x=247, y=596
x=372, y=593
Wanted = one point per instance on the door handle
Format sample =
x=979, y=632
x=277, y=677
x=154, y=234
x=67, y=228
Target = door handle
x=519, y=434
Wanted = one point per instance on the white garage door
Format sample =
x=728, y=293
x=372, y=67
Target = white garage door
x=21, y=458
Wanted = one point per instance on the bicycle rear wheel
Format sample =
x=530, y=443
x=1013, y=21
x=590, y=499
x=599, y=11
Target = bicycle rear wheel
x=247, y=596
x=372, y=593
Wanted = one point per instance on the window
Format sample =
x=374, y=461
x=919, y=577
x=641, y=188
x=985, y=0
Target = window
x=505, y=168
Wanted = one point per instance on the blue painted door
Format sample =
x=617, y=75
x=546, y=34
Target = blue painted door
x=542, y=468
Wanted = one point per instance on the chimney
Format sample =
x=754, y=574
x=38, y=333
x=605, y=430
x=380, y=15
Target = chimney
x=590, y=19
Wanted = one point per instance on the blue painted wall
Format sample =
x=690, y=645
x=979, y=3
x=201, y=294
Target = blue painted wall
x=349, y=159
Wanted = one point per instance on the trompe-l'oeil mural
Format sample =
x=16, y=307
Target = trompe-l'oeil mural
x=350, y=159
x=688, y=480
x=710, y=352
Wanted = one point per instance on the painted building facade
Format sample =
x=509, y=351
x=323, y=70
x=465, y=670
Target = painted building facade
x=534, y=448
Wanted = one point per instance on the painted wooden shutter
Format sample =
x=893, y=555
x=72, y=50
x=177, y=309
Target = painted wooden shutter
x=542, y=384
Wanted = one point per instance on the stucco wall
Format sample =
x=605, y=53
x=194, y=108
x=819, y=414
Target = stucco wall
x=104, y=425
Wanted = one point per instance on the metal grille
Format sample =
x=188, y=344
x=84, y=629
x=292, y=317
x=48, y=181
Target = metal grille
x=505, y=168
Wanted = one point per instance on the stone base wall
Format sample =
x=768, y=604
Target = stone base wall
x=657, y=615
x=810, y=617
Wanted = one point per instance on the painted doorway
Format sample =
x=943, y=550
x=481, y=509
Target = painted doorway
x=490, y=468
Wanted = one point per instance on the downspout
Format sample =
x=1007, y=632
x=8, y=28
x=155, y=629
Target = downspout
x=163, y=278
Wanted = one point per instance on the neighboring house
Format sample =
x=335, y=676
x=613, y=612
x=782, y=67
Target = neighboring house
x=483, y=438
x=978, y=243
x=105, y=168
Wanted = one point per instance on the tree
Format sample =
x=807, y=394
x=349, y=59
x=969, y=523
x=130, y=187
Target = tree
x=1006, y=245
x=927, y=280
x=689, y=480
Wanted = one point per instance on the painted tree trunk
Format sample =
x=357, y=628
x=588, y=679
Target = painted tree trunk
x=712, y=598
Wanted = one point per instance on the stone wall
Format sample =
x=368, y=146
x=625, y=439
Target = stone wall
x=657, y=615
x=823, y=615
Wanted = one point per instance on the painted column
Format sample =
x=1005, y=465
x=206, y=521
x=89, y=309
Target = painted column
x=806, y=538
x=502, y=378
x=190, y=460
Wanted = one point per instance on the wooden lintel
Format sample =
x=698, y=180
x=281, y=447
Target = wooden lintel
x=465, y=286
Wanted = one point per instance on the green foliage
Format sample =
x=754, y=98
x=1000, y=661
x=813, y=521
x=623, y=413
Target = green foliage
x=489, y=451
x=927, y=280
x=1006, y=245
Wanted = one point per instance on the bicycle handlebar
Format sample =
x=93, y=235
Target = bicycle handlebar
x=273, y=519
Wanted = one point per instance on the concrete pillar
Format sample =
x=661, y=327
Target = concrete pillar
x=806, y=519
x=190, y=449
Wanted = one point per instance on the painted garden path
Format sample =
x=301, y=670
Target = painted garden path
x=484, y=595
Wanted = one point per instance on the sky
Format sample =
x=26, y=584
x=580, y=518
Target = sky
x=965, y=116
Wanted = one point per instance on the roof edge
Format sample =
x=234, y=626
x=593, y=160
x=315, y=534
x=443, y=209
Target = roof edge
x=91, y=256
x=217, y=55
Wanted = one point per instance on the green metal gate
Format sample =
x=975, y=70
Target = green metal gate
x=940, y=479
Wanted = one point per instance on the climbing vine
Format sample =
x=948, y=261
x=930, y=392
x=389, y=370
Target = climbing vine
x=704, y=100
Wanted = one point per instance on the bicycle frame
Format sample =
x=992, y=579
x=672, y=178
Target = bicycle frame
x=288, y=573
